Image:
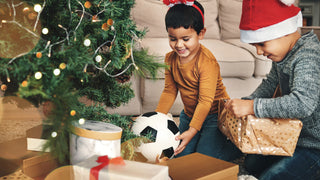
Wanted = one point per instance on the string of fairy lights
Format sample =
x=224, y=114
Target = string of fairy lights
x=38, y=8
x=87, y=42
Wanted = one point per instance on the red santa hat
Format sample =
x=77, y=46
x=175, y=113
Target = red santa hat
x=264, y=20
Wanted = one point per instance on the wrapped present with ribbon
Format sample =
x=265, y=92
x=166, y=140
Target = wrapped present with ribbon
x=94, y=138
x=103, y=167
x=252, y=135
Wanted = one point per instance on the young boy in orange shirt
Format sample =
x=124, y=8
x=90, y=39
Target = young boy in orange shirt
x=195, y=73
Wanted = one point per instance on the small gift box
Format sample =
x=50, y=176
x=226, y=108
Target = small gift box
x=252, y=135
x=94, y=138
x=113, y=169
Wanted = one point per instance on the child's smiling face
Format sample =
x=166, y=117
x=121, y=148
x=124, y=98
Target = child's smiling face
x=185, y=42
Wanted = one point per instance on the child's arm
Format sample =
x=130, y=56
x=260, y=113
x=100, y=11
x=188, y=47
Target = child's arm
x=304, y=93
x=299, y=103
x=208, y=78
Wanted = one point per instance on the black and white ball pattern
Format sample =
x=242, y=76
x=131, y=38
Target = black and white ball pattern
x=162, y=130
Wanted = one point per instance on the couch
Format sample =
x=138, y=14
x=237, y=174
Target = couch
x=241, y=68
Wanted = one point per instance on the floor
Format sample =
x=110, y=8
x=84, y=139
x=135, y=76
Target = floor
x=17, y=116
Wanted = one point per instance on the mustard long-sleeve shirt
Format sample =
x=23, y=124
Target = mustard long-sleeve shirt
x=199, y=83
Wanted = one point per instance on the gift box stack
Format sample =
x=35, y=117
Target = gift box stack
x=95, y=154
x=109, y=164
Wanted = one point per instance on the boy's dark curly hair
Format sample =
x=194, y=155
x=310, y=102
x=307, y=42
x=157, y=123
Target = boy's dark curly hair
x=185, y=16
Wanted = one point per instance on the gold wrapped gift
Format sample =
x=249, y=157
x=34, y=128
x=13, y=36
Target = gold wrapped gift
x=252, y=135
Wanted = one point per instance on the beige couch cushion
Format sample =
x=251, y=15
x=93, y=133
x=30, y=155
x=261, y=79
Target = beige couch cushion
x=262, y=64
x=150, y=93
x=234, y=61
x=229, y=18
x=210, y=18
x=150, y=14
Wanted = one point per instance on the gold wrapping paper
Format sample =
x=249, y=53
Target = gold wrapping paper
x=252, y=135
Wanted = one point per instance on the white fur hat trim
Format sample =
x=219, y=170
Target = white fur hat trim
x=287, y=2
x=275, y=31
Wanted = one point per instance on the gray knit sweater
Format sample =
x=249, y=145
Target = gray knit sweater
x=299, y=77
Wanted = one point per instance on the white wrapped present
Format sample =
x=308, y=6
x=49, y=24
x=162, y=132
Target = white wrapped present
x=130, y=170
x=94, y=138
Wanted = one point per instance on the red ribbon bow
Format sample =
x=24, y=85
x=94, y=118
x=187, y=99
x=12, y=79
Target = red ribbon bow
x=104, y=160
x=171, y=3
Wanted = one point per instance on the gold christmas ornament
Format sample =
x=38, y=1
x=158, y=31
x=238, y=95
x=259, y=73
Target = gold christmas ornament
x=62, y=66
x=110, y=22
x=72, y=112
x=24, y=83
x=87, y=4
x=39, y=55
x=105, y=26
x=4, y=87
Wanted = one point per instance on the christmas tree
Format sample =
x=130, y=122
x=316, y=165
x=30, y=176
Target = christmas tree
x=53, y=52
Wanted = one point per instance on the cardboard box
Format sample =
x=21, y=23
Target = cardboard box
x=39, y=164
x=37, y=137
x=201, y=167
x=14, y=156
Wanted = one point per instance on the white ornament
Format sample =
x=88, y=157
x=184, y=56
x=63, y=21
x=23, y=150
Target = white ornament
x=163, y=130
x=54, y=134
x=82, y=121
x=37, y=8
x=56, y=72
x=98, y=58
x=87, y=42
x=287, y=2
x=38, y=75
x=45, y=31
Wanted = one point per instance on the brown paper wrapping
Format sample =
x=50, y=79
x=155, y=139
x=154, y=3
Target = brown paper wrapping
x=252, y=135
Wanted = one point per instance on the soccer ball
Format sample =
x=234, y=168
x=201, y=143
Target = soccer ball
x=162, y=130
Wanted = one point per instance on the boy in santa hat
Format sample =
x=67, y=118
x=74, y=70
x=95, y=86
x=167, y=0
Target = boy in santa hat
x=272, y=27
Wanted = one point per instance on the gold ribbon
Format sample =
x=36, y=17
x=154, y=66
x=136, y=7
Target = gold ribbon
x=97, y=135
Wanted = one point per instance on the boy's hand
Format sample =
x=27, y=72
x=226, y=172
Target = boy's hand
x=185, y=138
x=240, y=107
